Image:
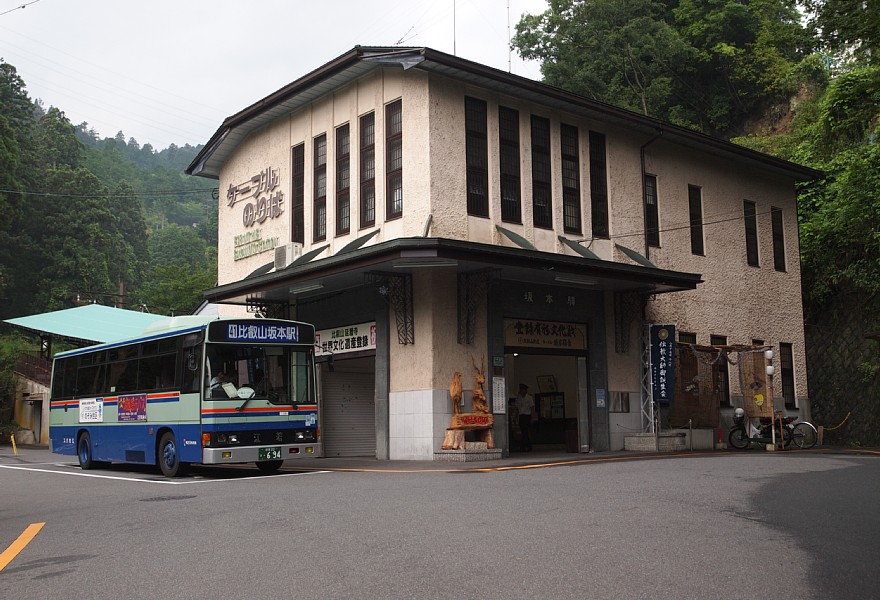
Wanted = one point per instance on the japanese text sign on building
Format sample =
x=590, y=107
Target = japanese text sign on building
x=351, y=338
x=545, y=334
x=663, y=363
x=267, y=202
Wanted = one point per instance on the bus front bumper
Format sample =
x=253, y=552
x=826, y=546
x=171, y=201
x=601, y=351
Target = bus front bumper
x=245, y=454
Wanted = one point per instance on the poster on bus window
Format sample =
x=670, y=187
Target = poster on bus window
x=132, y=407
x=91, y=410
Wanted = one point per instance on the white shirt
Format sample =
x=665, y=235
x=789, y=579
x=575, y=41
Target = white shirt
x=525, y=404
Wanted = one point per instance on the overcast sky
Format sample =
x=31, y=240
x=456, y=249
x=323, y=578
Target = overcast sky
x=170, y=71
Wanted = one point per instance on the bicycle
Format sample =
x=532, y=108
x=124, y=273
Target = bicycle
x=804, y=435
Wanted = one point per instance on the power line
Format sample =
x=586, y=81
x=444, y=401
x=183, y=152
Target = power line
x=171, y=193
x=25, y=5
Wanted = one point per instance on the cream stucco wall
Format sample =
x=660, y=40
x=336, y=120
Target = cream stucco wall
x=736, y=300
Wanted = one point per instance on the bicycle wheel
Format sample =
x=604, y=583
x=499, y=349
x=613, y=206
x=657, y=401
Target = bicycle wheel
x=804, y=435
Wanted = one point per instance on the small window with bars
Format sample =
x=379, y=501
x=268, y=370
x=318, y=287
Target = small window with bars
x=542, y=206
x=476, y=157
x=394, y=160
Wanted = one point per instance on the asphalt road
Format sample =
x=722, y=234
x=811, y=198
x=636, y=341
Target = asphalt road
x=720, y=525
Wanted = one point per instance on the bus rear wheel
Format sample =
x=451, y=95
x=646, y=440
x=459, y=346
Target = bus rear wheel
x=269, y=466
x=168, y=457
x=84, y=451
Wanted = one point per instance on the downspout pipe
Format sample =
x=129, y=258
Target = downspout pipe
x=645, y=189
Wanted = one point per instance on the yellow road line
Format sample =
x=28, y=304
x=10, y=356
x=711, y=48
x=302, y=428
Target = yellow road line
x=18, y=545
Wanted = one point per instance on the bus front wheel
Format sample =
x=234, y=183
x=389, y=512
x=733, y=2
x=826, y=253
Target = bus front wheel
x=84, y=451
x=168, y=456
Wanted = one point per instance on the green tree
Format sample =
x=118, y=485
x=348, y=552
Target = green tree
x=56, y=141
x=707, y=65
x=848, y=25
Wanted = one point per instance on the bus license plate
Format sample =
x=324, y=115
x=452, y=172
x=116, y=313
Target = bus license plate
x=273, y=453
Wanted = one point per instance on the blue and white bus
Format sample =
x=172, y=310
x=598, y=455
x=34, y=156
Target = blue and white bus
x=191, y=390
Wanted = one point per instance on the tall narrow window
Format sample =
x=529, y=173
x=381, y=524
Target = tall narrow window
x=720, y=375
x=786, y=371
x=750, y=217
x=319, y=223
x=368, y=170
x=695, y=207
x=476, y=157
x=598, y=185
x=541, y=174
x=571, y=179
x=394, y=160
x=778, y=239
x=343, y=180
x=298, y=199
x=508, y=151
x=652, y=212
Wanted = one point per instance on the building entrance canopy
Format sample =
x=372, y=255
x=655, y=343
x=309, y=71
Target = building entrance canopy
x=349, y=269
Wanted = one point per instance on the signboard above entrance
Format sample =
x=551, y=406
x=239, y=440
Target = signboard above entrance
x=549, y=335
x=350, y=338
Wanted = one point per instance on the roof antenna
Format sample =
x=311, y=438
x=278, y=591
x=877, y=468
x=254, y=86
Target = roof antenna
x=509, y=68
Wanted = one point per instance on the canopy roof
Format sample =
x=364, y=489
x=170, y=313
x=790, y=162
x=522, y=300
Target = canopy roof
x=92, y=323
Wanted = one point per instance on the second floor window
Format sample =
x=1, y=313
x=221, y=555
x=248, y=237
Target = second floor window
x=571, y=179
x=508, y=158
x=476, y=157
x=394, y=160
x=778, y=239
x=298, y=200
x=652, y=211
x=598, y=185
x=695, y=208
x=343, y=180
x=542, y=207
x=750, y=218
x=368, y=170
x=320, y=216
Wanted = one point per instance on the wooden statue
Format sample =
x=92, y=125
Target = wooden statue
x=479, y=398
x=479, y=420
x=455, y=393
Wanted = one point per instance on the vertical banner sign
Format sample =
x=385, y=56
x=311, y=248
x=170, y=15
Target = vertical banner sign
x=663, y=363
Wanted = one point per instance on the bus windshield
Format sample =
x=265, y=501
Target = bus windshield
x=278, y=374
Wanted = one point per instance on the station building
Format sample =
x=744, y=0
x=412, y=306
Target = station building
x=430, y=214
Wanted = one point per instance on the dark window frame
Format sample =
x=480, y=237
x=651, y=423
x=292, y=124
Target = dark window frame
x=394, y=160
x=509, y=165
x=298, y=193
x=786, y=373
x=343, y=179
x=477, y=156
x=569, y=145
x=750, y=221
x=652, y=211
x=778, y=233
x=695, y=210
x=367, y=144
x=542, y=174
x=319, y=201
x=599, y=185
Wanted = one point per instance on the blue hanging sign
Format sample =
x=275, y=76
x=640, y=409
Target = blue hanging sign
x=663, y=363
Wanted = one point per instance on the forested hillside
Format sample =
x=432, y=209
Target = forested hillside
x=800, y=81
x=96, y=220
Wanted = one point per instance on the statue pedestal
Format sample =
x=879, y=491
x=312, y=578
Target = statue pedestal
x=481, y=422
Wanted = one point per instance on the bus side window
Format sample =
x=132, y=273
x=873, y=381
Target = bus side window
x=192, y=361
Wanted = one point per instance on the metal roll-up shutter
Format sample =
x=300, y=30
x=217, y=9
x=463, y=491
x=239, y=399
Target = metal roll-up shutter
x=348, y=414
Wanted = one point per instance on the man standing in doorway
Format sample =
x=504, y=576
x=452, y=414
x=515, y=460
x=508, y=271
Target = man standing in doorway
x=525, y=405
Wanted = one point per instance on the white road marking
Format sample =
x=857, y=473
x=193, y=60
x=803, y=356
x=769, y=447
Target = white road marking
x=163, y=481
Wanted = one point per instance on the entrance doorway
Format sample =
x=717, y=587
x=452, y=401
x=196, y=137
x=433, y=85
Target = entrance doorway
x=348, y=407
x=553, y=383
